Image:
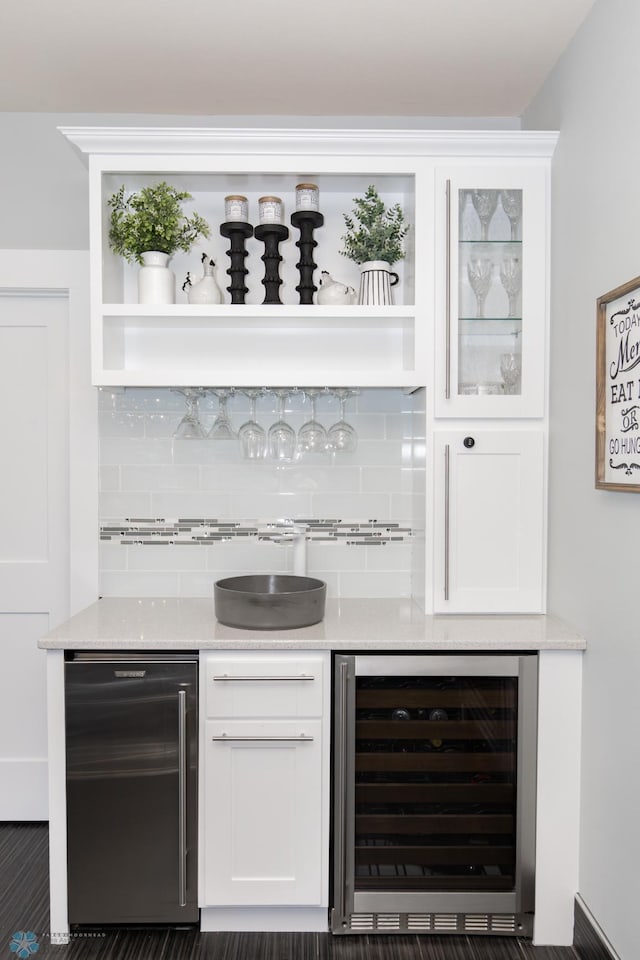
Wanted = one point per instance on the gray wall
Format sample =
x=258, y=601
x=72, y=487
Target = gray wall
x=45, y=193
x=592, y=98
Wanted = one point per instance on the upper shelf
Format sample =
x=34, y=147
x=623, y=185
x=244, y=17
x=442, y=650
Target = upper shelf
x=275, y=344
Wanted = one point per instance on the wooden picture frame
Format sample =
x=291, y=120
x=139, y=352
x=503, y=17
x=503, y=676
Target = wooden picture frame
x=618, y=389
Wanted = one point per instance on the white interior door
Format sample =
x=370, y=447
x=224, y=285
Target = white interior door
x=45, y=420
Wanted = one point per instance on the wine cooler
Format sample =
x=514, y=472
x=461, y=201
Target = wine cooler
x=434, y=794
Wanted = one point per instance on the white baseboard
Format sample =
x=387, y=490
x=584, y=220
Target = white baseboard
x=597, y=929
x=23, y=790
x=265, y=919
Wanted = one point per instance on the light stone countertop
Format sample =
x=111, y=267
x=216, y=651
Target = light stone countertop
x=349, y=624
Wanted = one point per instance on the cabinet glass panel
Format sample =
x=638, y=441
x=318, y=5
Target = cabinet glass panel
x=490, y=271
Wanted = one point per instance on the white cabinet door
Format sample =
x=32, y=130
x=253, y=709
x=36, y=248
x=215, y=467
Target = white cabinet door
x=263, y=816
x=489, y=527
x=491, y=308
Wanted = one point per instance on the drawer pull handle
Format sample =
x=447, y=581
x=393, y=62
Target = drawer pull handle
x=227, y=677
x=226, y=738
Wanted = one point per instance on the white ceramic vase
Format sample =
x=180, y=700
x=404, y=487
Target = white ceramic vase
x=156, y=282
x=376, y=280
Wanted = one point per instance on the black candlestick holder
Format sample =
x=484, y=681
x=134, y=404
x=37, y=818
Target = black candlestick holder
x=306, y=221
x=238, y=232
x=272, y=235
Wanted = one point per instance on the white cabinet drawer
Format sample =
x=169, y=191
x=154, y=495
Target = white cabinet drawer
x=264, y=686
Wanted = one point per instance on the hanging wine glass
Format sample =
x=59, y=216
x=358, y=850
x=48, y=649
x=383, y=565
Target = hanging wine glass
x=511, y=280
x=312, y=436
x=341, y=436
x=480, y=271
x=485, y=203
x=251, y=435
x=190, y=427
x=281, y=438
x=512, y=205
x=221, y=428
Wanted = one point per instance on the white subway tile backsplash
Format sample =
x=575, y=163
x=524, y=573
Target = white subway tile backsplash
x=333, y=556
x=109, y=478
x=121, y=423
x=197, y=584
x=391, y=584
x=128, y=504
x=115, y=450
x=160, y=478
x=375, y=453
x=274, y=505
x=161, y=425
x=379, y=400
x=248, y=556
x=190, y=503
x=351, y=506
x=150, y=477
x=166, y=557
x=204, y=452
x=401, y=508
x=392, y=557
x=133, y=583
x=113, y=556
x=307, y=478
x=240, y=477
x=385, y=480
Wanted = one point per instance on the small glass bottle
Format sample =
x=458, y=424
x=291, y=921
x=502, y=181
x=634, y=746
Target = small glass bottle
x=236, y=208
x=270, y=210
x=307, y=197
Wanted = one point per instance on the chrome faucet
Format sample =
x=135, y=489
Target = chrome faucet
x=286, y=531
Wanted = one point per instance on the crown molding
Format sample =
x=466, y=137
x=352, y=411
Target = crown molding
x=227, y=140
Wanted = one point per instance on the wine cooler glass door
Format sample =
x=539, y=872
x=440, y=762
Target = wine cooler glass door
x=438, y=798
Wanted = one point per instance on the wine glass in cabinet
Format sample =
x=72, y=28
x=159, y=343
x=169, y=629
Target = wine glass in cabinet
x=492, y=312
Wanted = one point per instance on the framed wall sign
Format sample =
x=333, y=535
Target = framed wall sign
x=618, y=389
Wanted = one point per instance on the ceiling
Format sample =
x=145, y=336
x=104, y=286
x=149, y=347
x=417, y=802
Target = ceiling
x=408, y=58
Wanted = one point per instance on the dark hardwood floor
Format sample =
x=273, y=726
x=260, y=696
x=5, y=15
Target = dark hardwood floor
x=24, y=906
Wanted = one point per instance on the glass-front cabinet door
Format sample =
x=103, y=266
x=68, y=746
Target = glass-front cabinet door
x=491, y=314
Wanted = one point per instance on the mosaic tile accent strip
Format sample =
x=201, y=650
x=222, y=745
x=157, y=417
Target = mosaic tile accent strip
x=144, y=531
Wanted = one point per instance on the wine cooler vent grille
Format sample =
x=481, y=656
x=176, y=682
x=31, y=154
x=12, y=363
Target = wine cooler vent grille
x=487, y=923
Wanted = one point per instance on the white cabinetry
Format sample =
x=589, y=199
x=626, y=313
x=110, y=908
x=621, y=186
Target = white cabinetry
x=253, y=342
x=431, y=337
x=265, y=772
x=489, y=530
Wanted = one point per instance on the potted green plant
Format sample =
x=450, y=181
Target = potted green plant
x=148, y=227
x=374, y=240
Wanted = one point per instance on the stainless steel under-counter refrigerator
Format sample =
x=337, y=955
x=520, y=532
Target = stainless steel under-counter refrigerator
x=131, y=753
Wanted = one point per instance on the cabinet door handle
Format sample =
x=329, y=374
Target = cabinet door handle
x=227, y=677
x=182, y=797
x=447, y=347
x=447, y=472
x=227, y=738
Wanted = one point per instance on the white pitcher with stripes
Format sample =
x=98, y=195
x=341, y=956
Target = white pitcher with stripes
x=376, y=280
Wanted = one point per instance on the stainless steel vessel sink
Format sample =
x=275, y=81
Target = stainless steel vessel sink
x=269, y=601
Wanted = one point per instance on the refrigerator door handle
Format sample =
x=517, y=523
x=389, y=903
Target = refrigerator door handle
x=182, y=797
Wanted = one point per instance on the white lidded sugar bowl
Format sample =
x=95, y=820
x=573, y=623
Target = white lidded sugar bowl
x=205, y=290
